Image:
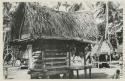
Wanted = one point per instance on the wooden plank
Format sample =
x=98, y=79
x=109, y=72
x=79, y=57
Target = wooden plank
x=55, y=67
x=37, y=57
x=58, y=62
x=57, y=51
x=54, y=58
x=114, y=62
x=52, y=55
x=103, y=62
x=38, y=67
x=48, y=62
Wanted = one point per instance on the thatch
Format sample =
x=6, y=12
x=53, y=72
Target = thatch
x=43, y=22
x=104, y=46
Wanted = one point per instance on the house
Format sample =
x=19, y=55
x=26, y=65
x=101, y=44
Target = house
x=50, y=36
x=102, y=51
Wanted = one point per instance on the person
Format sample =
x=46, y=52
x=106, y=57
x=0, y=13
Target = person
x=18, y=63
x=88, y=58
x=117, y=74
x=8, y=58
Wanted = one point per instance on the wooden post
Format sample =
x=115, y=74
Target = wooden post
x=69, y=59
x=98, y=61
x=110, y=60
x=29, y=48
x=13, y=64
x=77, y=73
x=69, y=64
x=6, y=72
x=85, y=71
x=90, y=73
x=90, y=61
x=7, y=52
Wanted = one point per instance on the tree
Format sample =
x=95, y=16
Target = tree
x=116, y=19
x=114, y=31
x=8, y=10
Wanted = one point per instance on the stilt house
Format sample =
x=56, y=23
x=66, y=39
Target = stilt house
x=49, y=36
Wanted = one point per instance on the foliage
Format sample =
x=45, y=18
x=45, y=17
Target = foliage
x=115, y=21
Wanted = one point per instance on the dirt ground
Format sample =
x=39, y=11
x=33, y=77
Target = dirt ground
x=102, y=73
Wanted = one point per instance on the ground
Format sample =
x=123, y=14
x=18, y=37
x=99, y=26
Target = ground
x=102, y=73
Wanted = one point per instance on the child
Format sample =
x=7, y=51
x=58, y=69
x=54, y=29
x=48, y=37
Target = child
x=116, y=75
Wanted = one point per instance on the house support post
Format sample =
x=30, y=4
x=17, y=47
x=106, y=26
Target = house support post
x=110, y=60
x=29, y=49
x=85, y=70
x=98, y=61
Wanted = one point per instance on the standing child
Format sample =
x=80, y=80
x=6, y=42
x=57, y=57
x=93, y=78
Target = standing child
x=116, y=75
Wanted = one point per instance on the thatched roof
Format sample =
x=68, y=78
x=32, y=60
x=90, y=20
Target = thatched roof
x=31, y=21
x=104, y=46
